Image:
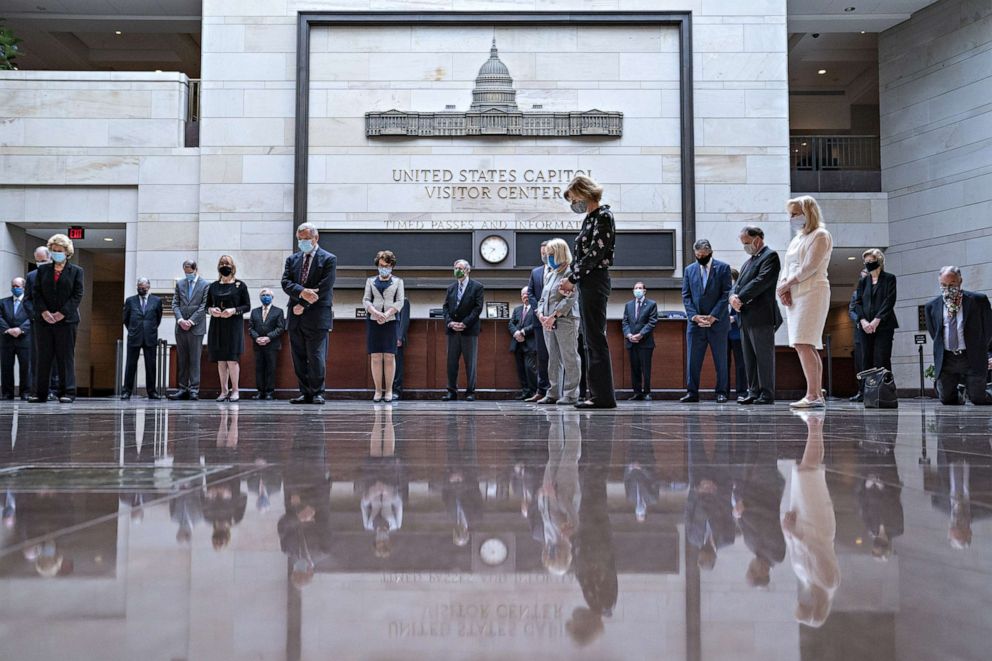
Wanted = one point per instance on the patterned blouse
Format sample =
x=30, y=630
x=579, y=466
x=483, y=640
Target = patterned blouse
x=594, y=244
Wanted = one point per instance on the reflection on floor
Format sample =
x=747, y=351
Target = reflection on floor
x=494, y=530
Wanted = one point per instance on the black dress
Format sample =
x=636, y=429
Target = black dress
x=226, y=337
x=381, y=338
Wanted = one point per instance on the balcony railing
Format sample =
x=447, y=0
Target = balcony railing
x=193, y=114
x=835, y=163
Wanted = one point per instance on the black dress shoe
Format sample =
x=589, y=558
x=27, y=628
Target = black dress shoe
x=125, y=396
x=66, y=400
x=302, y=399
x=689, y=399
x=763, y=401
x=36, y=400
x=52, y=398
x=746, y=399
x=194, y=396
x=8, y=397
x=636, y=397
x=396, y=397
x=589, y=404
x=646, y=398
x=721, y=399
x=154, y=395
x=857, y=398
x=176, y=396
x=25, y=398
x=449, y=397
x=268, y=397
x=258, y=396
x=317, y=399
x=469, y=398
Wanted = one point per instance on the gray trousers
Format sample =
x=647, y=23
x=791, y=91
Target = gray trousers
x=189, y=348
x=465, y=347
x=563, y=360
x=758, y=346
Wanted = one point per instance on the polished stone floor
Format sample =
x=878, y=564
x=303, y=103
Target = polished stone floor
x=494, y=530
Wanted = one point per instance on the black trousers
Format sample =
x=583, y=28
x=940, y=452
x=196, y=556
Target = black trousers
x=640, y=368
x=583, y=386
x=465, y=347
x=736, y=354
x=398, y=375
x=54, y=382
x=15, y=349
x=758, y=349
x=309, y=349
x=131, y=368
x=527, y=370
x=955, y=370
x=542, y=363
x=859, y=354
x=876, y=349
x=56, y=346
x=265, y=369
x=594, y=293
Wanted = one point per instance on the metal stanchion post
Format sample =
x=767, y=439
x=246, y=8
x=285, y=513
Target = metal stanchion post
x=830, y=367
x=921, y=341
x=119, y=363
x=922, y=396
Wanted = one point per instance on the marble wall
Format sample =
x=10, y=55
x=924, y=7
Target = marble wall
x=936, y=121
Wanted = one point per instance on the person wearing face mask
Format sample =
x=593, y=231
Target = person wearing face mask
x=753, y=299
x=462, y=310
x=57, y=292
x=189, y=306
x=308, y=280
x=535, y=288
x=142, y=316
x=804, y=290
x=559, y=323
x=266, y=324
x=705, y=290
x=593, y=257
x=15, y=340
x=960, y=323
x=41, y=256
x=227, y=302
x=523, y=345
x=383, y=301
x=875, y=309
x=639, y=319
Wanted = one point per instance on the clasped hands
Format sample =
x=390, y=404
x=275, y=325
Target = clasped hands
x=547, y=323
x=784, y=293
x=52, y=318
x=308, y=295
x=870, y=327
x=380, y=317
x=736, y=302
x=14, y=332
x=263, y=340
x=635, y=337
x=222, y=313
x=456, y=326
x=704, y=320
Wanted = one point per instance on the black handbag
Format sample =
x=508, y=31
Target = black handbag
x=879, y=389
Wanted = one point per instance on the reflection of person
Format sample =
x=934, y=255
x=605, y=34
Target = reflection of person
x=462, y=310
x=640, y=481
x=804, y=290
x=810, y=525
x=558, y=497
x=709, y=522
x=757, y=494
x=964, y=473
x=460, y=489
x=558, y=315
x=639, y=319
x=15, y=340
x=960, y=323
x=227, y=303
x=186, y=510
x=189, y=305
x=523, y=345
x=383, y=301
x=535, y=288
x=384, y=488
x=266, y=324
x=402, y=334
x=305, y=530
x=142, y=316
x=878, y=488
x=56, y=296
x=874, y=305
x=706, y=287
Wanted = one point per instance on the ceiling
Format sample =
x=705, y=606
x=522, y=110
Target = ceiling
x=850, y=61
x=870, y=15
x=81, y=35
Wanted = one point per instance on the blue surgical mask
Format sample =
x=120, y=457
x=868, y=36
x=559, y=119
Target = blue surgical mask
x=58, y=257
x=190, y=277
x=551, y=262
x=385, y=271
x=266, y=300
x=17, y=291
x=638, y=293
x=580, y=206
x=306, y=245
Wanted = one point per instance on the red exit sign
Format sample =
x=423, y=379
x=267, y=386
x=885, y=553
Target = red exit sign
x=77, y=233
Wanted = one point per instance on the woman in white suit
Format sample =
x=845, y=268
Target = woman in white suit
x=383, y=301
x=804, y=290
x=558, y=314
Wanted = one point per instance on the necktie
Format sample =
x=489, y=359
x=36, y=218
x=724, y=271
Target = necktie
x=526, y=312
x=189, y=289
x=305, y=273
x=265, y=313
x=142, y=303
x=706, y=276
x=952, y=335
x=637, y=309
x=461, y=291
x=17, y=304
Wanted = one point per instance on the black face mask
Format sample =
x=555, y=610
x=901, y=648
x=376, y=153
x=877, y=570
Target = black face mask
x=704, y=260
x=225, y=270
x=142, y=291
x=871, y=266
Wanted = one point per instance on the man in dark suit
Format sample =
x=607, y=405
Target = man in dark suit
x=41, y=256
x=709, y=518
x=266, y=325
x=960, y=323
x=462, y=310
x=189, y=303
x=15, y=340
x=523, y=344
x=639, y=319
x=535, y=288
x=705, y=289
x=758, y=315
x=402, y=330
x=142, y=316
x=308, y=280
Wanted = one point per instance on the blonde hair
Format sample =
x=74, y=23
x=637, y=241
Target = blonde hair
x=558, y=249
x=810, y=209
x=877, y=254
x=584, y=187
x=63, y=241
x=230, y=261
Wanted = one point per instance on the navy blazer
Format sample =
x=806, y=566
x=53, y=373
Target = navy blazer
x=756, y=289
x=468, y=312
x=527, y=325
x=535, y=286
x=977, y=318
x=643, y=324
x=21, y=320
x=64, y=297
x=323, y=271
x=273, y=327
x=709, y=300
x=142, y=327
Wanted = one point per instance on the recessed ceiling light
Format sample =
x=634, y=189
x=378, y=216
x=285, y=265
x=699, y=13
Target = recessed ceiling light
x=862, y=32
x=804, y=144
x=822, y=71
x=850, y=259
x=158, y=71
x=118, y=32
x=849, y=9
x=110, y=239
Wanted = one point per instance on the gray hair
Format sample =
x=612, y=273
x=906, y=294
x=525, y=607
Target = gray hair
x=43, y=249
x=144, y=280
x=263, y=290
x=953, y=270
x=702, y=244
x=465, y=265
x=189, y=264
x=309, y=228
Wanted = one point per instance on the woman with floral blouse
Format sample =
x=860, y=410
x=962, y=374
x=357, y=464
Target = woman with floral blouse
x=593, y=256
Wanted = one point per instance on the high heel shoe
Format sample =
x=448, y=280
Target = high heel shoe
x=377, y=398
x=223, y=397
x=387, y=398
x=234, y=396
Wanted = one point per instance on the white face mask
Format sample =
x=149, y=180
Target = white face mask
x=797, y=223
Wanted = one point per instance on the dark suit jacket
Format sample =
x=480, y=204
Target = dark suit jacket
x=470, y=309
x=142, y=327
x=323, y=271
x=643, y=324
x=711, y=299
x=876, y=301
x=527, y=325
x=21, y=320
x=273, y=327
x=535, y=287
x=403, y=322
x=977, y=318
x=64, y=297
x=756, y=289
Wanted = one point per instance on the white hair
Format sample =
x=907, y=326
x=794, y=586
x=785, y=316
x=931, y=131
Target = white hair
x=309, y=228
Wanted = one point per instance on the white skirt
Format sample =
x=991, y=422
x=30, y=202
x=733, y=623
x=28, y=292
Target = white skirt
x=807, y=316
